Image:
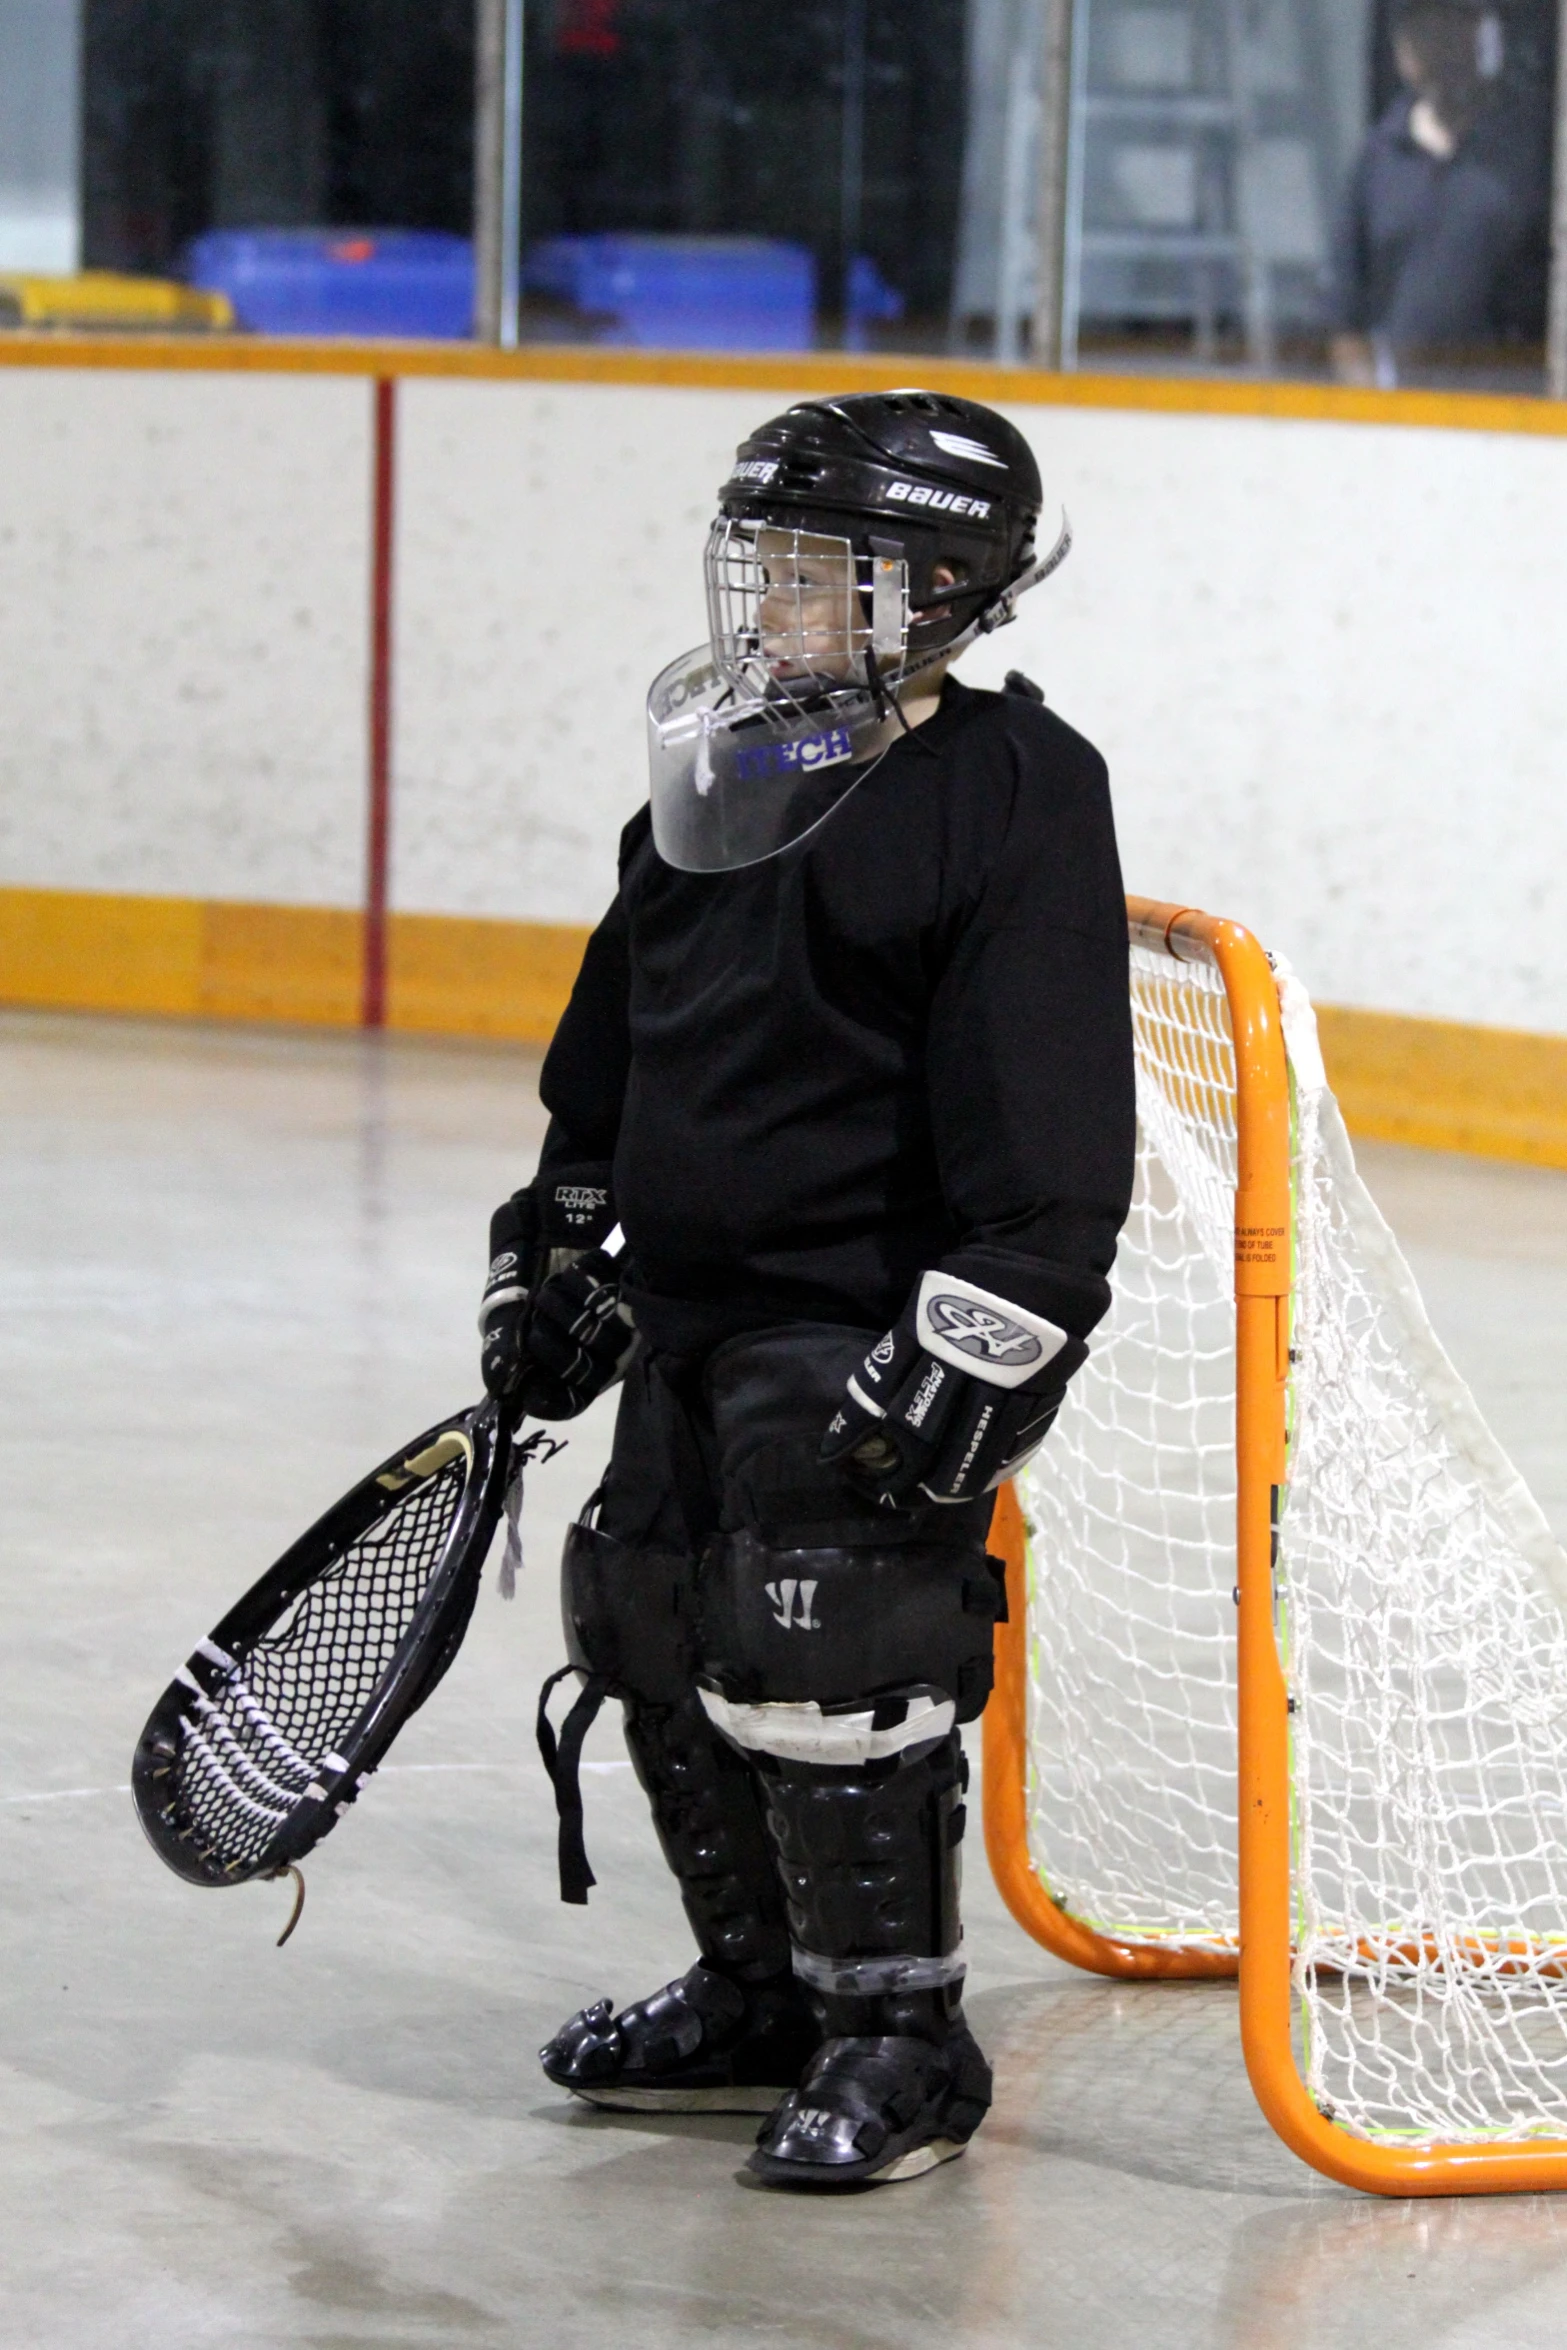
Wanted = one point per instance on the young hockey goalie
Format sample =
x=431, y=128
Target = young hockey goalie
x=849, y=1063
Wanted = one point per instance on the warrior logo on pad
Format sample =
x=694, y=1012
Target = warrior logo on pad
x=782, y=1596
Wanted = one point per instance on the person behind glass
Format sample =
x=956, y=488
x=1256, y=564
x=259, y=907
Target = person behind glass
x=1442, y=244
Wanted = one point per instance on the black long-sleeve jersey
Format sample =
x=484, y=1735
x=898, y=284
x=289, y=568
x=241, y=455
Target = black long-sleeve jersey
x=905, y=1042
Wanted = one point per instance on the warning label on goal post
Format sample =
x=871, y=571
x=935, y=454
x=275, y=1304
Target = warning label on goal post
x=1262, y=1243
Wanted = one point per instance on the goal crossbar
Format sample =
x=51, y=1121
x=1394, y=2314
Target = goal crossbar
x=1262, y=1942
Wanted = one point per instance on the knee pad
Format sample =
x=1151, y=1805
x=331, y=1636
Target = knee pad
x=841, y=1657
x=630, y=1616
x=630, y=1622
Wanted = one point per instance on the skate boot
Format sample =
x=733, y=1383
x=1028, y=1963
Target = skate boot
x=736, y=2032
x=869, y=1862
x=875, y=2109
x=705, y=2044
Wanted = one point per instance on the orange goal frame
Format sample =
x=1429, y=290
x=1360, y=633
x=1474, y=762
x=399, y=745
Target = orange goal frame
x=1264, y=1959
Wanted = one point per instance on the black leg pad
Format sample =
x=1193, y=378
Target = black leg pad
x=869, y=1863
x=709, y=1823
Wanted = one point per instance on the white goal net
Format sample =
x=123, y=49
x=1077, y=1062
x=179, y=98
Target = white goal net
x=1421, y=1619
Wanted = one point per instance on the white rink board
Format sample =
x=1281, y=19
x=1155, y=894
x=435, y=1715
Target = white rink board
x=183, y=590
x=1322, y=659
x=1325, y=664
x=549, y=564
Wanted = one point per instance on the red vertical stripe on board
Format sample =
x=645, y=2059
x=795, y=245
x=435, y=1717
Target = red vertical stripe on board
x=378, y=846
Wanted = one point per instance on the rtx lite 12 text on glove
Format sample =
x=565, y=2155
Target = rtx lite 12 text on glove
x=553, y=1331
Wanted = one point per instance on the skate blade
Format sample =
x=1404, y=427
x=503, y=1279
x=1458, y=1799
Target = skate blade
x=825, y=2178
x=727, y=2098
x=918, y=2160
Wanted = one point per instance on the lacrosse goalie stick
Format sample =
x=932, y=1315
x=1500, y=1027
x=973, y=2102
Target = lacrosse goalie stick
x=274, y=1724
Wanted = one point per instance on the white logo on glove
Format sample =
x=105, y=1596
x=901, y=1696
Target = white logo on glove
x=782, y=1596
x=984, y=1336
x=982, y=1332
x=580, y=1201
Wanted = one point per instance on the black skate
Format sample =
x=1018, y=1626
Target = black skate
x=703, y=2045
x=871, y=2111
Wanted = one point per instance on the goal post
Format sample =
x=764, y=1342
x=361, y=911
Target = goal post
x=1283, y=1686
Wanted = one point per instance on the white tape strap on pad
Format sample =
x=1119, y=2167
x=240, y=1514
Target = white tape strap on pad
x=803, y=1733
x=872, y=1977
x=984, y=1335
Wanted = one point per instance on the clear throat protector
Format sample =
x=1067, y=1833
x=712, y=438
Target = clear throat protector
x=756, y=737
x=734, y=780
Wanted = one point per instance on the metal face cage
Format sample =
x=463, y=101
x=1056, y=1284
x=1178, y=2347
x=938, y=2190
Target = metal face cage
x=792, y=610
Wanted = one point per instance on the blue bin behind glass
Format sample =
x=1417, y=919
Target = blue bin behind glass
x=682, y=293
x=281, y=281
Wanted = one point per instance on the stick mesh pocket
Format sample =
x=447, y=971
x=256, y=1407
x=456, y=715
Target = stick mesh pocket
x=268, y=1732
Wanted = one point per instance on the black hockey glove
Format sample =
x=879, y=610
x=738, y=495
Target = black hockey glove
x=579, y=1340
x=955, y=1397
x=552, y=1332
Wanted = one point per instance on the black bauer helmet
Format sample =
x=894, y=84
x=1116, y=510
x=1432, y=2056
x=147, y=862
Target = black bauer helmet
x=858, y=542
x=946, y=480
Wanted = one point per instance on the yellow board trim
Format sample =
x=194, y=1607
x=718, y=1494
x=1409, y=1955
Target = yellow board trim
x=795, y=372
x=1498, y=1092
x=93, y=300
x=88, y=951
x=454, y=975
